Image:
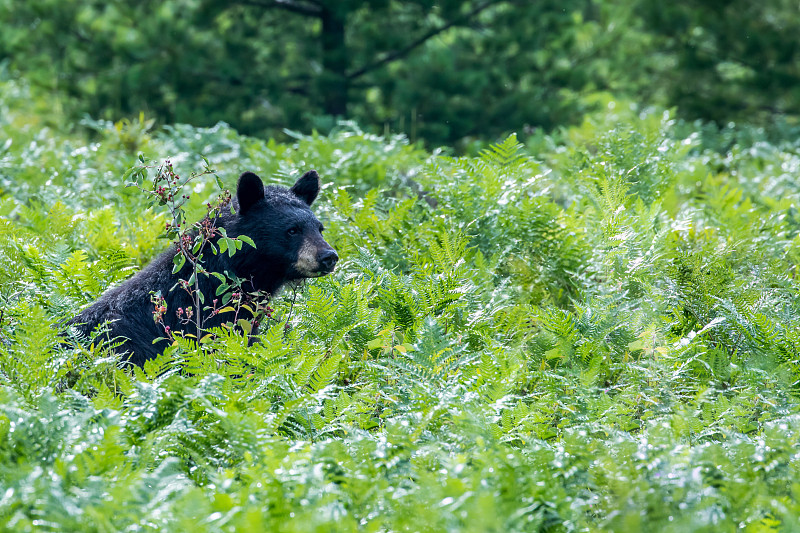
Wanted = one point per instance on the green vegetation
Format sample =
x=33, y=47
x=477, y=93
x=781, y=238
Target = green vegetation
x=445, y=71
x=596, y=330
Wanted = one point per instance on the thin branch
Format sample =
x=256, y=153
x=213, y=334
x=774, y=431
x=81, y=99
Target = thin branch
x=307, y=8
x=397, y=54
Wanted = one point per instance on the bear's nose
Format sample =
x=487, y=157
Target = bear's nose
x=327, y=260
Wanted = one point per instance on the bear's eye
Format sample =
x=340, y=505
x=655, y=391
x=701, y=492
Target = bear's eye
x=293, y=231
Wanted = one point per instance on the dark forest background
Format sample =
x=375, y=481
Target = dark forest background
x=441, y=71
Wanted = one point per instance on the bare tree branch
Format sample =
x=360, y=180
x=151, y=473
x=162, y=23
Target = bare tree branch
x=308, y=8
x=397, y=54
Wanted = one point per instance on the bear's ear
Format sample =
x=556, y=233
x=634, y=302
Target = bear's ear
x=307, y=187
x=249, y=191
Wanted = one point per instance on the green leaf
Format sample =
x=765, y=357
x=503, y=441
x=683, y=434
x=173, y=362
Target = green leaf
x=375, y=343
x=247, y=239
x=178, y=261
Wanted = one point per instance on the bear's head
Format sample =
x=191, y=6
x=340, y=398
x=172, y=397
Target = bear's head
x=287, y=235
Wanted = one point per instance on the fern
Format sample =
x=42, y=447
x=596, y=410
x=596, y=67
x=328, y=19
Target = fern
x=505, y=153
x=324, y=373
x=507, y=343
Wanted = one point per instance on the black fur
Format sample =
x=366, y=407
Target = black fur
x=307, y=187
x=280, y=223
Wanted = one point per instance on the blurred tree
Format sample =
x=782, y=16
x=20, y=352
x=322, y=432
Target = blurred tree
x=520, y=66
x=733, y=59
x=394, y=29
x=441, y=70
x=261, y=65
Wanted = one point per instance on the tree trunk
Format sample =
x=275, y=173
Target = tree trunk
x=333, y=83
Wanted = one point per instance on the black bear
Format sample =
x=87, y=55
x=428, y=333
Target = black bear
x=288, y=246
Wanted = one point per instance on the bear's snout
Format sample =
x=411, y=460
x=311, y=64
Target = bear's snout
x=314, y=259
x=327, y=260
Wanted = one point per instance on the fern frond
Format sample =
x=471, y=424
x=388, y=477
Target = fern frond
x=325, y=372
x=504, y=153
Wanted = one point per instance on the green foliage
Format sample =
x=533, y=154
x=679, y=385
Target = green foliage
x=716, y=74
x=595, y=331
x=446, y=72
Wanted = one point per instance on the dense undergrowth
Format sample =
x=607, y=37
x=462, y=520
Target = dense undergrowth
x=598, y=330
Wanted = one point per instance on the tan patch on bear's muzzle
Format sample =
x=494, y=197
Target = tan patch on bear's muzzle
x=307, y=264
